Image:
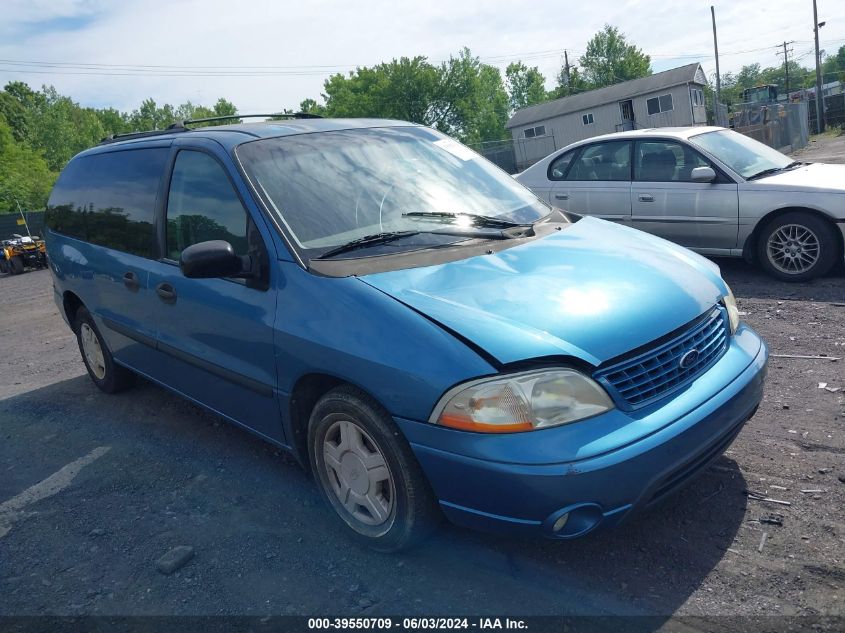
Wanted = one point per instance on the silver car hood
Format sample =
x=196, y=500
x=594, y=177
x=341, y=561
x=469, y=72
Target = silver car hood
x=817, y=177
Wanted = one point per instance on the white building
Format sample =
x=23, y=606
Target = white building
x=667, y=99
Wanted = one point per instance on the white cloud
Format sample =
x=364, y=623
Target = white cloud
x=321, y=37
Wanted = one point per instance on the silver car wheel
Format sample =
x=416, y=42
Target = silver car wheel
x=793, y=249
x=358, y=473
x=92, y=350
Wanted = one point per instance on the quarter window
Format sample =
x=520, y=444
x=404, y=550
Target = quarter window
x=587, y=119
x=558, y=167
x=656, y=105
x=202, y=205
x=109, y=199
x=602, y=161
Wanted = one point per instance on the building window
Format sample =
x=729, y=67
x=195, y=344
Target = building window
x=532, y=132
x=697, y=97
x=587, y=119
x=656, y=105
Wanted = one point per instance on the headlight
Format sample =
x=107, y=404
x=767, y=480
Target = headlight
x=733, y=311
x=522, y=402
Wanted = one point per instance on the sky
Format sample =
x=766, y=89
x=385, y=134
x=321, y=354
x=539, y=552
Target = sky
x=266, y=56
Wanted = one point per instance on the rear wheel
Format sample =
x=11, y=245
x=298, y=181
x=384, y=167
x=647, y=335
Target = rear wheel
x=4, y=265
x=367, y=472
x=16, y=265
x=106, y=374
x=797, y=246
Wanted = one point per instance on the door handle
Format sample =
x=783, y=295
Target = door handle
x=130, y=280
x=561, y=196
x=645, y=197
x=166, y=293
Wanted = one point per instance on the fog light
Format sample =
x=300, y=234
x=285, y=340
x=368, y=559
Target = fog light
x=560, y=523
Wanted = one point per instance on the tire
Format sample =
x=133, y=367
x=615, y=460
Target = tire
x=376, y=457
x=16, y=265
x=106, y=374
x=797, y=246
x=4, y=265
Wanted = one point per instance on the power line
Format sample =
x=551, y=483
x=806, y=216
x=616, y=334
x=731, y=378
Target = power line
x=310, y=69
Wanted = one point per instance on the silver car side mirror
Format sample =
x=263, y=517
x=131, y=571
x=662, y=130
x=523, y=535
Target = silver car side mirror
x=703, y=174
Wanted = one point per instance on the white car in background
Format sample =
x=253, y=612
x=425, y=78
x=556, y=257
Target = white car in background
x=710, y=189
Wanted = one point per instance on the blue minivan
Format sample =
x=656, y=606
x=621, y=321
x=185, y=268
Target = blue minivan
x=416, y=327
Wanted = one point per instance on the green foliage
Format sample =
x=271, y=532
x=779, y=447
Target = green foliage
x=610, y=59
x=25, y=178
x=526, y=86
x=309, y=106
x=750, y=75
x=461, y=97
x=40, y=130
x=570, y=84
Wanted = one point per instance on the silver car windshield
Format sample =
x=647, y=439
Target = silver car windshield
x=741, y=153
x=330, y=188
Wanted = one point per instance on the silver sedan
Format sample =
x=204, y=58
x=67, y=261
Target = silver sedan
x=712, y=190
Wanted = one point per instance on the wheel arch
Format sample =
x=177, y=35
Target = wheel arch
x=749, y=249
x=71, y=304
x=306, y=392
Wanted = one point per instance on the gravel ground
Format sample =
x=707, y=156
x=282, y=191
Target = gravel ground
x=116, y=482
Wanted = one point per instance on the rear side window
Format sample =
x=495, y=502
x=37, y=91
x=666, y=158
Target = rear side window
x=602, y=161
x=109, y=199
x=202, y=205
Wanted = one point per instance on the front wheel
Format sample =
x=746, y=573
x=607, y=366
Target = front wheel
x=797, y=246
x=367, y=473
x=106, y=374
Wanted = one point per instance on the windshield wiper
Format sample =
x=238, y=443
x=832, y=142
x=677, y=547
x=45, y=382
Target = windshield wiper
x=389, y=236
x=367, y=240
x=765, y=172
x=477, y=220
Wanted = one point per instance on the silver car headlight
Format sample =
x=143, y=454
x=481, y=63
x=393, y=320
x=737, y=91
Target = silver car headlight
x=733, y=311
x=521, y=402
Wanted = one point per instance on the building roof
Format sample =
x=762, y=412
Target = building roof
x=691, y=73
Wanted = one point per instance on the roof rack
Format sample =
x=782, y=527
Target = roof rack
x=182, y=126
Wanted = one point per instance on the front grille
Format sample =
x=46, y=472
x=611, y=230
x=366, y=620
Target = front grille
x=657, y=372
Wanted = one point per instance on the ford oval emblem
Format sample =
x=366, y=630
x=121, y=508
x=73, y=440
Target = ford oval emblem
x=688, y=359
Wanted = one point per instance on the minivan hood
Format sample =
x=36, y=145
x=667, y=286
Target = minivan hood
x=594, y=290
x=815, y=176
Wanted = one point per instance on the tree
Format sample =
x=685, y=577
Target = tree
x=568, y=83
x=609, y=59
x=461, y=97
x=748, y=76
x=25, y=178
x=526, y=86
x=309, y=106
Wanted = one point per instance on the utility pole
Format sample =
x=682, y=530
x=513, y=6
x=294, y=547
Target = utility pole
x=716, y=48
x=786, y=65
x=566, y=69
x=819, y=98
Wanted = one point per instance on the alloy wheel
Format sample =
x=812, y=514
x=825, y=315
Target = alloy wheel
x=793, y=248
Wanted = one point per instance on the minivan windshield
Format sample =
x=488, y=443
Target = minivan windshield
x=334, y=188
x=747, y=157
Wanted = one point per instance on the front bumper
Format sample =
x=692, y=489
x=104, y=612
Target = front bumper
x=481, y=486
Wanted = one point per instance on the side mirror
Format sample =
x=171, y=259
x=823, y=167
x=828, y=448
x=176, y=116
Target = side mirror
x=703, y=174
x=215, y=258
